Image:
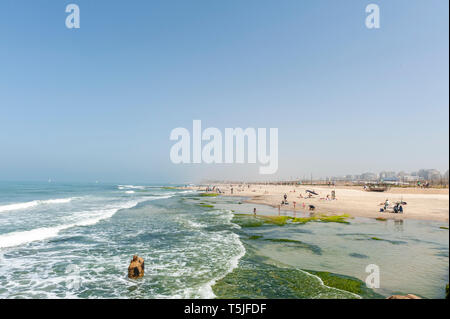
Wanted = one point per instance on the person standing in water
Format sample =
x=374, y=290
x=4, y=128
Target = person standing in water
x=254, y=212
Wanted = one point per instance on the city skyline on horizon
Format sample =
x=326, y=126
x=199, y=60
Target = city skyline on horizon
x=403, y=176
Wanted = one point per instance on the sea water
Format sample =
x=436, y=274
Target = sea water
x=76, y=241
x=412, y=256
x=71, y=240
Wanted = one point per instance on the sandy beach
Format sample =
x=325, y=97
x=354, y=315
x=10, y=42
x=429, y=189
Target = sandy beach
x=422, y=204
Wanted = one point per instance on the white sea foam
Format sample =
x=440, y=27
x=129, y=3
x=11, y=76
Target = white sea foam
x=159, y=197
x=88, y=218
x=331, y=288
x=205, y=291
x=131, y=187
x=34, y=203
x=24, y=237
x=186, y=192
x=19, y=238
x=233, y=262
x=195, y=224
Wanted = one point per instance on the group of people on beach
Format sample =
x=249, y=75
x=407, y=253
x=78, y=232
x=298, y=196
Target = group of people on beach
x=397, y=209
x=285, y=202
x=213, y=189
x=423, y=185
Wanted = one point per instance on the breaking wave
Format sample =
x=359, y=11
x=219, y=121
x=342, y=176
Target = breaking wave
x=34, y=203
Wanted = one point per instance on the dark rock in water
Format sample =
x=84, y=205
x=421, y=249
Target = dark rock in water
x=356, y=255
x=136, y=268
x=408, y=296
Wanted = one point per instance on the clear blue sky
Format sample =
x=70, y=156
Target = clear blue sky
x=98, y=103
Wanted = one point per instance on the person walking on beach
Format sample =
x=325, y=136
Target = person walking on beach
x=254, y=212
x=386, y=204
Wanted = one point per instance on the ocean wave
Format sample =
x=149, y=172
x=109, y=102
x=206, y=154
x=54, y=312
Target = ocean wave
x=34, y=203
x=121, y=187
x=91, y=218
x=159, y=197
x=205, y=291
x=186, y=192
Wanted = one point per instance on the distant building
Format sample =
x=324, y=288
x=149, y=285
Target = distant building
x=411, y=178
x=391, y=179
x=387, y=175
x=369, y=177
x=429, y=174
x=434, y=175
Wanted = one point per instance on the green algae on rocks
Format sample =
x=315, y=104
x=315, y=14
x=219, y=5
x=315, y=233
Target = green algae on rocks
x=292, y=242
x=394, y=242
x=209, y=194
x=257, y=277
x=322, y=218
x=248, y=220
x=346, y=283
x=297, y=243
x=206, y=205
